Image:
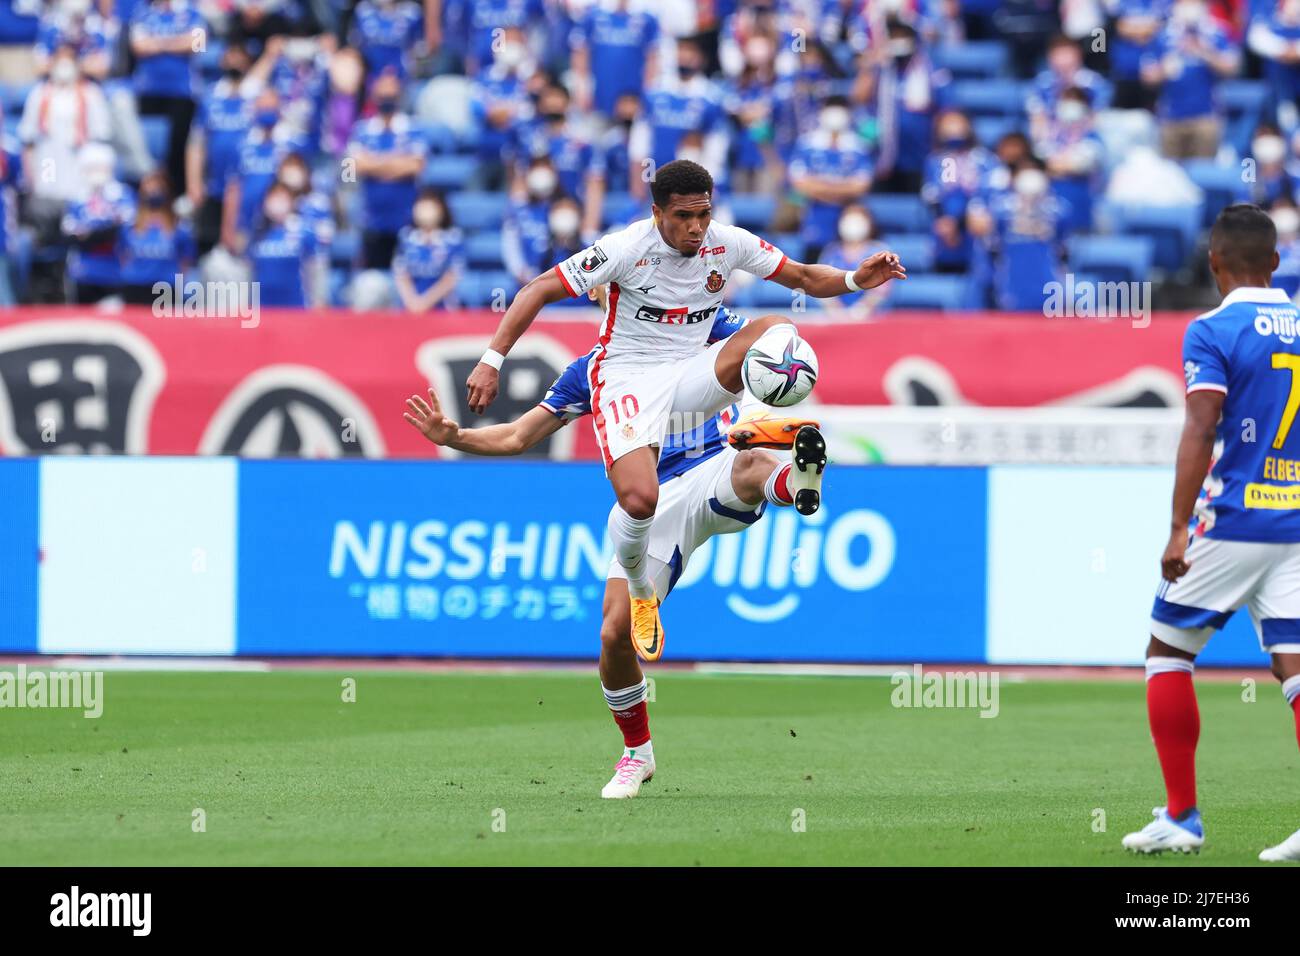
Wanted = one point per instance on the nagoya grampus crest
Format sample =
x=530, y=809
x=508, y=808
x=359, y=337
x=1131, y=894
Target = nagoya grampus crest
x=790, y=367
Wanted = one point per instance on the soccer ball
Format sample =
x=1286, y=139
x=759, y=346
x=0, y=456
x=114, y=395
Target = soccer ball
x=780, y=368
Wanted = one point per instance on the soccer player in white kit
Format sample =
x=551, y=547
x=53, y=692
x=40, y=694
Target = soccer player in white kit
x=651, y=374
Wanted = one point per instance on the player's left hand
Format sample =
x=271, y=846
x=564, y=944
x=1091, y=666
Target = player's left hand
x=879, y=269
x=428, y=418
x=1174, y=563
x=481, y=387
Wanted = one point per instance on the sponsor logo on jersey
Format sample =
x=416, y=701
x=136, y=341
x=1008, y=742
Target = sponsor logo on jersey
x=592, y=260
x=677, y=316
x=714, y=282
x=715, y=251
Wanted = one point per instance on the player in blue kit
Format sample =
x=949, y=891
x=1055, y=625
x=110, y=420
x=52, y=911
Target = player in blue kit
x=708, y=487
x=1235, y=532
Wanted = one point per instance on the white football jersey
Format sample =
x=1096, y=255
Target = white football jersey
x=662, y=303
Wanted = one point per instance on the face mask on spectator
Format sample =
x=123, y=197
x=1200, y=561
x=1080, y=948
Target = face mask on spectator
x=553, y=116
x=511, y=55
x=901, y=47
x=1031, y=182
x=540, y=181
x=1070, y=111
x=686, y=70
x=294, y=177
x=1286, y=220
x=1268, y=149
x=154, y=199
x=691, y=154
x=1189, y=13
x=758, y=51
x=854, y=228
x=266, y=118
x=427, y=215
x=563, y=222
x=835, y=119
x=300, y=49
x=64, y=71
x=277, y=207
x=387, y=105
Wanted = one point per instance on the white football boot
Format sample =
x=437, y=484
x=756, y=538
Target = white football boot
x=805, y=480
x=1286, y=851
x=1166, y=833
x=629, y=773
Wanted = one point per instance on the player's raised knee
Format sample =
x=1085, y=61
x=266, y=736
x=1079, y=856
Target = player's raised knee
x=640, y=502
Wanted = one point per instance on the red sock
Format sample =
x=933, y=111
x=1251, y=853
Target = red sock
x=1175, y=727
x=781, y=485
x=635, y=724
x=1295, y=706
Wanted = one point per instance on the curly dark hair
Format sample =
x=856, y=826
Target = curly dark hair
x=681, y=177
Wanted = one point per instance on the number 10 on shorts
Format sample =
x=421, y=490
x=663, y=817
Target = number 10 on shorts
x=629, y=405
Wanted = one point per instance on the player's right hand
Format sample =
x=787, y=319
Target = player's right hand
x=1174, y=563
x=481, y=387
x=429, y=420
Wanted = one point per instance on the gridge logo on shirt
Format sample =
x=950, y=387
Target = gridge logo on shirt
x=714, y=282
x=715, y=251
x=677, y=316
x=592, y=260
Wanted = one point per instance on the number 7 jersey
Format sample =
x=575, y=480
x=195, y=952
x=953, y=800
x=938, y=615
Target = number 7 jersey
x=1247, y=348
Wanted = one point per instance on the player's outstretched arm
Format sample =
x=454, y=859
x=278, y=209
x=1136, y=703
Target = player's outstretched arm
x=1195, y=448
x=508, y=438
x=823, y=282
x=484, y=380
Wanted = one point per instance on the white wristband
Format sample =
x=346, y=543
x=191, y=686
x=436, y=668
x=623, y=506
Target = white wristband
x=493, y=358
x=848, y=281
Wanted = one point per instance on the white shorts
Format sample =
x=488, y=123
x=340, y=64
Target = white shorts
x=693, y=507
x=1224, y=575
x=634, y=406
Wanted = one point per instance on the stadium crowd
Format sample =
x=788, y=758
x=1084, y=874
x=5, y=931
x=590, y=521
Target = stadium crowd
x=421, y=156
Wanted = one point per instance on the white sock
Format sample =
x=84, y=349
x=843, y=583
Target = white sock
x=627, y=697
x=641, y=751
x=1163, y=665
x=1291, y=689
x=630, y=536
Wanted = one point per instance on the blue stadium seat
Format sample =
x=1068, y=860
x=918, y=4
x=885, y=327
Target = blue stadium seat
x=973, y=60
x=752, y=211
x=1174, y=229
x=947, y=293
x=1222, y=185
x=765, y=295
x=1111, y=258
x=1243, y=103
x=448, y=172
x=791, y=244
x=916, y=250
x=988, y=97
x=617, y=209
x=209, y=58
x=13, y=96
x=483, y=250
x=346, y=248
x=898, y=212
x=475, y=211
x=440, y=137
x=990, y=129
x=157, y=132
x=480, y=289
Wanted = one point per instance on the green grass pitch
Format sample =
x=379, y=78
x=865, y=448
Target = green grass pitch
x=457, y=768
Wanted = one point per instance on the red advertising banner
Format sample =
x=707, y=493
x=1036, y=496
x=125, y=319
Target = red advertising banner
x=333, y=383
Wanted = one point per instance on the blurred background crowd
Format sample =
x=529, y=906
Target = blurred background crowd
x=437, y=154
